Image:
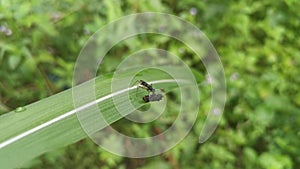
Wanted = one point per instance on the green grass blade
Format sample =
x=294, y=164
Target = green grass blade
x=52, y=122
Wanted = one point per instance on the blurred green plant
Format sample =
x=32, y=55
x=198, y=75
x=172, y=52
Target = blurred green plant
x=258, y=45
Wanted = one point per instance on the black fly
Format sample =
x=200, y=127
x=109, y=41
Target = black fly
x=145, y=85
x=152, y=97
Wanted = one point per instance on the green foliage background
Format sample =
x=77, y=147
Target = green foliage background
x=258, y=42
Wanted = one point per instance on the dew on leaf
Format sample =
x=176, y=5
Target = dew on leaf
x=20, y=109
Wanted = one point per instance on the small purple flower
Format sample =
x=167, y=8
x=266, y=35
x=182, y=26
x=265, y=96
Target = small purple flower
x=5, y=30
x=193, y=11
x=2, y=28
x=209, y=79
x=216, y=111
x=234, y=76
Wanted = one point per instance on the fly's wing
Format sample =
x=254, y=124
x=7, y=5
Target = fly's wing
x=155, y=97
x=159, y=97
